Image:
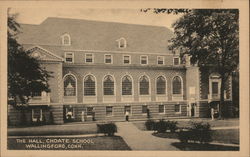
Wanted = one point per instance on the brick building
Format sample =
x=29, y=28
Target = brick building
x=103, y=69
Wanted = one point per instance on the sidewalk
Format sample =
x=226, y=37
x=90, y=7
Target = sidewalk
x=143, y=140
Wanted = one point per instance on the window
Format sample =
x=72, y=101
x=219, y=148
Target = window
x=108, y=59
x=108, y=85
x=89, y=86
x=177, y=85
x=126, y=85
x=144, y=85
x=37, y=114
x=215, y=87
x=89, y=58
x=160, y=60
x=127, y=108
x=109, y=110
x=126, y=59
x=176, y=60
x=161, y=108
x=69, y=86
x=122, y=43
x=38, y=94
x=144, y=108
x=66, y=40
x=69, y=57
x=177, y=108
x=90, y=111
x=69, y=112
x=161, y=85
x=144, y=59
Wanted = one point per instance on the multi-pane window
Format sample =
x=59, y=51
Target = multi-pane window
x=176, y=85
x=108, y=85
x=89, y=111
x=161, y=85
x=69, y=57
x=126, y=59
x=144, y=59
x=161, y=108
x=177, y=108
x=37, y=114
x=176, y=60
x=144, y=108
x=69, y=86
x=215, y=87
x=160, y=60
x=144, y=85
x=127, y=109
x=89, y=58
x=66, y=39
x=108, y=59
x=109, y=110
x=126, y=85
x=89, y=86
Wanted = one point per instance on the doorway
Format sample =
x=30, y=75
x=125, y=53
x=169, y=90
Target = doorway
x=193, y=109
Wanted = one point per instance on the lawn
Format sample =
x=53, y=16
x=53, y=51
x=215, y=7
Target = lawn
x=73, y=129
x=69, y=143
x=186, y=123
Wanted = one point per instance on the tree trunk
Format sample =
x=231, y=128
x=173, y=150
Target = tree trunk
x=221, y=105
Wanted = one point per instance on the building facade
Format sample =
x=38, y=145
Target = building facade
x=103, y=69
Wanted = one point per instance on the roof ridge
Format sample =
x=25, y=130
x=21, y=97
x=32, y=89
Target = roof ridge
x=78, y=19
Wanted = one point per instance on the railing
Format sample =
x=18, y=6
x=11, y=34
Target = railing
x=44, y=99
x=177, y=97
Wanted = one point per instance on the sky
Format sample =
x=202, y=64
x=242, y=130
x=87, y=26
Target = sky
x=133, y=16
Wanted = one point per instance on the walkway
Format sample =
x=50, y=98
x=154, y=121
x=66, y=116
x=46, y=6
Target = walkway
x=143, y=140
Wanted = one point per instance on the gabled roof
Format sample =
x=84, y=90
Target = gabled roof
x=97, y=35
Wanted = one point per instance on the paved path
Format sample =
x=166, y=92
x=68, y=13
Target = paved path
x=143, y=140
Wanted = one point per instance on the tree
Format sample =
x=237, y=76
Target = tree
x=25, y=74
x=210, y=37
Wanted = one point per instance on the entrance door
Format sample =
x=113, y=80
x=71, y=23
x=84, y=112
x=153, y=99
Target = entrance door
x=193, y=108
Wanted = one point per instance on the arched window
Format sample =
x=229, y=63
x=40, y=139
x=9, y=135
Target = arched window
x=161, y=85
x=66, y=39
x=122, y=43
x=177, y=85
x=108, y=85
x=144, y=85
x=126, y=85
x=69, y=86
x=89, y=86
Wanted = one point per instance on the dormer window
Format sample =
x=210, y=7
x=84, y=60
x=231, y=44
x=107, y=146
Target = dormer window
x=66, y=40
x=122, y=43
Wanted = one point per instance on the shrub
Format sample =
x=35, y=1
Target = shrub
x=150, y=124
x=161, y=126
x=172, y=125
x=199, y=132
x=108, y=129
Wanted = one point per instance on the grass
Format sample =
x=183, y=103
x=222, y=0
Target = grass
x=74, y=129
x=186, y=123
x=97, y=143
x=204, y=147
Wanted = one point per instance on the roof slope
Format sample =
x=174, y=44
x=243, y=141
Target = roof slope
x=97, y=35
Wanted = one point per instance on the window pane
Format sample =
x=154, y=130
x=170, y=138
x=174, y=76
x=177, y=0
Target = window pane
x=177, y=85
x=108, y=85
x=160, y=60
x=69, y=86
x=37, y=113
x=109, y=110
x=89, y=86
x=143, y=59
x=161, y=108
x=177, y=108
x=126, y=85
x=69, y=57
x=108, y=59
x=144, y=109
x=89, y=58
x=176, y=61
x=215, y=86
x=161, y=85
x=144, y=86
x=89, y=111
x=127, y=108
x=126, y=60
